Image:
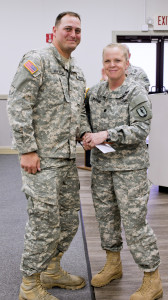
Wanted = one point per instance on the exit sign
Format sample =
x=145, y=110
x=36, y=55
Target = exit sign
x=161, y=22
x=49, y=37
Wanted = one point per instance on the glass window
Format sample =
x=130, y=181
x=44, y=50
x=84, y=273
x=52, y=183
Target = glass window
x=144, y=55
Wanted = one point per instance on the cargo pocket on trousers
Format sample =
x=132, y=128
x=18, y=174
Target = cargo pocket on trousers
x=41, y=186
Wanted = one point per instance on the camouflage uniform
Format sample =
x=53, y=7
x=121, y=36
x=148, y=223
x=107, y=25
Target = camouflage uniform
x=47, y=114
x=120, y=187
x=138, y=74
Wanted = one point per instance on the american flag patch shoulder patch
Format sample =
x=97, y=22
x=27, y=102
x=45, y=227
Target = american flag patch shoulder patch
x=30, y=66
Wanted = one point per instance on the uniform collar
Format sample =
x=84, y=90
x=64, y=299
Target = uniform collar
x=60, y=58
x=117, y=93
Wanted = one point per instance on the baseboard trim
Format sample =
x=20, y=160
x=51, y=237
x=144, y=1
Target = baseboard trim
x=8, y=150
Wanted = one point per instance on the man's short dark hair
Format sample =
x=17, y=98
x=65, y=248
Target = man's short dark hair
x=61, y=15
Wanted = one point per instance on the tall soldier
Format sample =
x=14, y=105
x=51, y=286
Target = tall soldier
x=46, y=112
x=120, y=113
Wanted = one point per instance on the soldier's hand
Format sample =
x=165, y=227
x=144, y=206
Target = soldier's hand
x=30, y=162
x=86, y=145
x=93, y=139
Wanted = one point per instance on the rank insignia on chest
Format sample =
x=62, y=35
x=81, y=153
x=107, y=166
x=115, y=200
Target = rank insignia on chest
x=142, y=112
x=30, y=66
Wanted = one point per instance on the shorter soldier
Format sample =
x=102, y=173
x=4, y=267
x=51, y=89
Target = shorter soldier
x=120, y=113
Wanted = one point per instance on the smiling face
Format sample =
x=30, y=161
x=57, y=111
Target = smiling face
x=115, y=64
x=67, y=35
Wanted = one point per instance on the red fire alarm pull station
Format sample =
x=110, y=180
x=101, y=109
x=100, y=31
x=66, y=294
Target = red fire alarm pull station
x=49, y=37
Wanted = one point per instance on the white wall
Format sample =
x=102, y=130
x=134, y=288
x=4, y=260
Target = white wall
x=158, y=143
x=24, y=24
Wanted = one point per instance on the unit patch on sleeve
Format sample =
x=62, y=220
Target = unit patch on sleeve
x=30, y=66
x=142, y=112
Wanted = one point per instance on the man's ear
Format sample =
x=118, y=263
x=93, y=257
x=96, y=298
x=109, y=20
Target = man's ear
x=54, y=30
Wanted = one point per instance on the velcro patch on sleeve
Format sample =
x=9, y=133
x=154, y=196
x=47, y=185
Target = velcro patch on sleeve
x=142, y=112
x=30, y=66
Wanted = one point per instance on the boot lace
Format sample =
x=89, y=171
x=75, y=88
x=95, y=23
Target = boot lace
x=103, y=269
x=106, y=266
x=63, y=272
x=42, y=291
x=146, y=286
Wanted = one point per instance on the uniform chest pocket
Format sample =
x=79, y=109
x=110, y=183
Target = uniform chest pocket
x=96, y=112
x=76, y=87
x=118, y=112
x=52, y=86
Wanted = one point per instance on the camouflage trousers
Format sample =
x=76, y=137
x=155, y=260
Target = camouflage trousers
x=53, y=205
x=121, y=197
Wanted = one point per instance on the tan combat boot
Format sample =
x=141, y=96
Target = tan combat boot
x=56, y=276
x=151, y=287
x=31, y=289
x=112, y=270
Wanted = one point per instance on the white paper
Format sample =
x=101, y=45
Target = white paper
x=105, y=148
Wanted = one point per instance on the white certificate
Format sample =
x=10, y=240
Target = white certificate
x=105, y=148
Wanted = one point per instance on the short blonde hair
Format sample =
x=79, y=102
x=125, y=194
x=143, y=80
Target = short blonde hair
x=120, y=46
